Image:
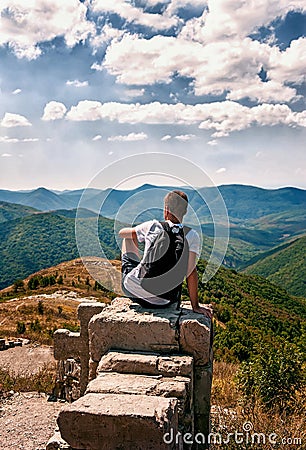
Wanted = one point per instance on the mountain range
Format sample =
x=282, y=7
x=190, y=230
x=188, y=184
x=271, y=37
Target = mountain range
x=37, y=228
x=242, y=202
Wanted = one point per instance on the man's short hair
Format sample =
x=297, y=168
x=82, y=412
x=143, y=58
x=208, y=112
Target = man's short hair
x=176, y=202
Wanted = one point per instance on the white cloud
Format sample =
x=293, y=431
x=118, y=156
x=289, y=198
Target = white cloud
x=155, y=2
x=107, y=34
x=98, y=137
x=85, y=110
x=77, y=83
x=54, y=110
x=25, y=24
x=185, y=137
x=9, y=140
x=221, y=118
x=132, y=93
x=29, y=140
x=137, y=61
x=216, y=52
x=221, y=170
x=6, y=155
x=16, y=91
x=225, y=18
x=129, y=137
x=135, y=15
x=175, y=5
x=290, y=64
x=213, y=143
x=14, y=120
x=166, y=137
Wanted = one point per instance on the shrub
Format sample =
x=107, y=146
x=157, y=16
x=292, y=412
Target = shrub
x=20, y=327
x=40, y=307
x=18, y=285
x=273, y=375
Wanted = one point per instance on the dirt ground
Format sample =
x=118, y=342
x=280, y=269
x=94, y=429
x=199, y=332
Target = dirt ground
x=26, y=359
x=27, y=420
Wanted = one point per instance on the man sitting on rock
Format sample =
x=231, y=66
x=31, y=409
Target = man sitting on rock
x=170, y=253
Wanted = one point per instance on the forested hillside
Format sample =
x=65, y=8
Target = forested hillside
x=284, y=265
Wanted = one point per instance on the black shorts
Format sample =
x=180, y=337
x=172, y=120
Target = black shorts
x=128, y=262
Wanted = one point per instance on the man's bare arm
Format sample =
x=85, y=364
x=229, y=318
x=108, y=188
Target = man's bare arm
x=127, y=233
x=192, y=284
x=129, y=243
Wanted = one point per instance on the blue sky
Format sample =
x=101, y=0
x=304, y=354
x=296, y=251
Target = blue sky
x=86, y=83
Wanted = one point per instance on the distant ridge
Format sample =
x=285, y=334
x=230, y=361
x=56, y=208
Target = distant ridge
x=243, y=202
x=284, y=265
x=11, y=211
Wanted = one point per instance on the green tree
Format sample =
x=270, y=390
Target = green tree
x=18, y=285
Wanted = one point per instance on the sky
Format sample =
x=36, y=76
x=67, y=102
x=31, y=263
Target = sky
x=84, y=84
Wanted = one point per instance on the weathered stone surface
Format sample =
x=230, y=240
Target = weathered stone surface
x=146, y=363
x=202, y=394
x=122, y=383
x=66, y=344
x=112, y=421
x=123, y=362
x=86, y=311
x=93, y=366
x=57, y=443
x=125, y=325
x=194, y=335
x=149, y=357
x=175, y=365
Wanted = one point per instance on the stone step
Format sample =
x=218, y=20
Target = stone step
x=122, y=383
x=119, y=421
x=147, y=364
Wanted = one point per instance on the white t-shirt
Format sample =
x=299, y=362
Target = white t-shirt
x=146, y=232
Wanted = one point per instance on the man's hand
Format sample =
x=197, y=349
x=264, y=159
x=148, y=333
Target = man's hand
x=202, y=310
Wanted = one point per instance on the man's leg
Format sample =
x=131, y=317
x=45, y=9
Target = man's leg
x=129, y=259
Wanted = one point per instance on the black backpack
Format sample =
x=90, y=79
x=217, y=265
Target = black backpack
x=165, y=264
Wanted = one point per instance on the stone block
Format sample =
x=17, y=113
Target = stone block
x=147, y=364
x=202, y=394
x=57, y=443
x=2, y=344
x=66, y=344
x=175, y=365
x=139, y=363
x=195, y=335
x=122, y=383
x=86, y=311
x=125, y=325
x=114, y=421
x=93, y=367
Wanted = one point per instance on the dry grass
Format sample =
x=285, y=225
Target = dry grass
x=23, y=306
x=230, y=415
x=41, y=381
x=76, y=277
x=55, y=313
